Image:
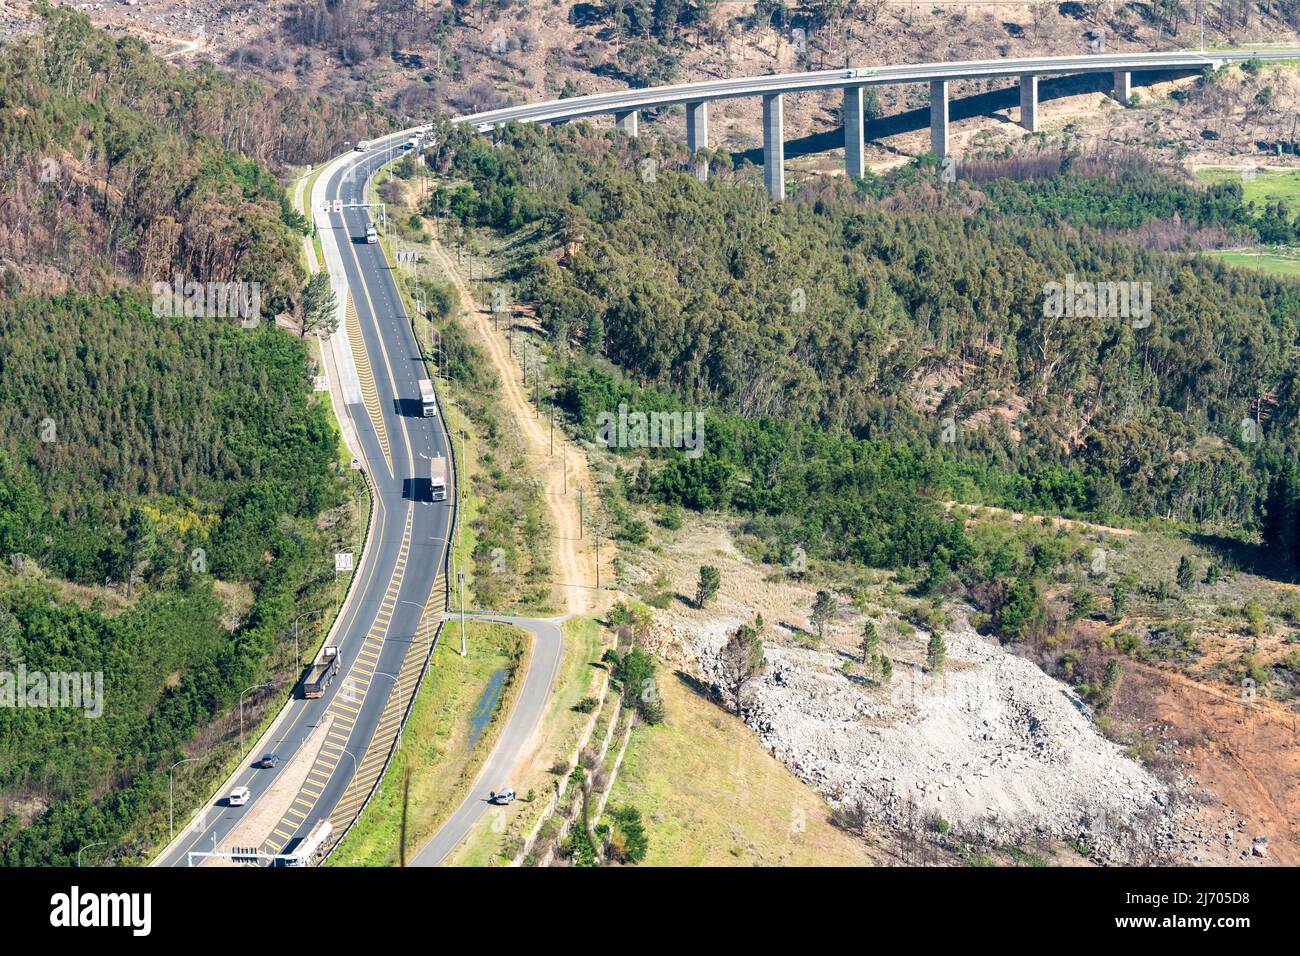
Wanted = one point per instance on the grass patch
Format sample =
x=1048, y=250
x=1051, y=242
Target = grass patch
x=1265, y=186
x=1276, y=263
x=562, y=727
x=435, y=745
x=710, y=795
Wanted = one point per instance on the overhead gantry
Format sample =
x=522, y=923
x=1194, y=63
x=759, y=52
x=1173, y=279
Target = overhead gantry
x=625, y=105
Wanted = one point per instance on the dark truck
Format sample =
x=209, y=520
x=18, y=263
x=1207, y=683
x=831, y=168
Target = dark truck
x=321, y=674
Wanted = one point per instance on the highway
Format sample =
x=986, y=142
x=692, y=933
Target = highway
x=394, y=613
x=658, y=97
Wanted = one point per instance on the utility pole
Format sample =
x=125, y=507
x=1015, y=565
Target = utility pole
x=241, y=710
x=460, y=579
x=171, y=817
x=552, y=451
x=597, y=532
x=579, y=512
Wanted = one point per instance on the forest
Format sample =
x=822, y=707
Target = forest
x=115, y=164
x=870, y=350
x=162, y=479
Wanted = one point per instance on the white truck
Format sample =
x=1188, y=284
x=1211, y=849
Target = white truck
x=362, y=145
x=428, y=404
x=306, y=852
x=371, y=235
x=438, y=479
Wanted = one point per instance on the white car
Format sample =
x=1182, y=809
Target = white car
x=502, y=797
x=238, y=797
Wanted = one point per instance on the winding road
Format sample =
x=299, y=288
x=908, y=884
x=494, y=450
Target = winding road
x=393, y=615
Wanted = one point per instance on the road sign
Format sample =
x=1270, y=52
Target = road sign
x=343, y=561
x=244, y=854
x=322, y=384
x=338, y=205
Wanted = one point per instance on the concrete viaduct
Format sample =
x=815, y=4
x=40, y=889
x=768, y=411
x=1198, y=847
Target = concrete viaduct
x=626, y=105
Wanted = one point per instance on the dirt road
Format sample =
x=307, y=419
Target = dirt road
x=574, y=562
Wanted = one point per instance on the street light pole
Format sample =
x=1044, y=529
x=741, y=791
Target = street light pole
x=87, y=847
x=171, y=818
x=460, y=579
x=241, y=711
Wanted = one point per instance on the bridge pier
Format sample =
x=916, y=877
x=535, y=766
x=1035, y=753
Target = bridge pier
x=1029, y=103
x=627, y=122
x=697, y=134
x=774, y=145
x=1123, y=86
x=854, y=148
x=939, y=117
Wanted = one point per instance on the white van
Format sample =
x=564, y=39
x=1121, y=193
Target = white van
x=362, y=145
x=238, y=797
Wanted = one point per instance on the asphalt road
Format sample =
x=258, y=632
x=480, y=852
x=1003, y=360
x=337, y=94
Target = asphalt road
x=399, y=589
x=521, y=723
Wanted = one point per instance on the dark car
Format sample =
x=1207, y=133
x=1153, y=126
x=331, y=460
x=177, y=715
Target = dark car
x=268, y=761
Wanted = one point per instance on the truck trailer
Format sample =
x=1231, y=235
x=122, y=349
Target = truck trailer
x=438, y=479
x=428, y=403
x=321, y=673
x=306, y=852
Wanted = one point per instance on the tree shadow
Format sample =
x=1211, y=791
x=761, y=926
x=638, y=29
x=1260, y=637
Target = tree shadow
x=1245, y=556
x=966, y=107
x=697, y=686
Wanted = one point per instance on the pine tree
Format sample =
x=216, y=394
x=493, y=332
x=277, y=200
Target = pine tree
x=886, y=668
x=707, y=588
x=870, y=641
x=824, y=610
x=936, y=653
x=1109, y=683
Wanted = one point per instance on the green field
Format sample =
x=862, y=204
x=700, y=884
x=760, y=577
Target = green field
x=435, y=745
x=710, y=795
x=1273, y=262
x=1262, y=187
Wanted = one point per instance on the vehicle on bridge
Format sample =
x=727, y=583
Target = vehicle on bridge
x=362, y=145
x=321, y=673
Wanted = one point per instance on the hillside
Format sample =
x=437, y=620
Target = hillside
x=452, y=57
x=169, y=490
x=864, y=355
